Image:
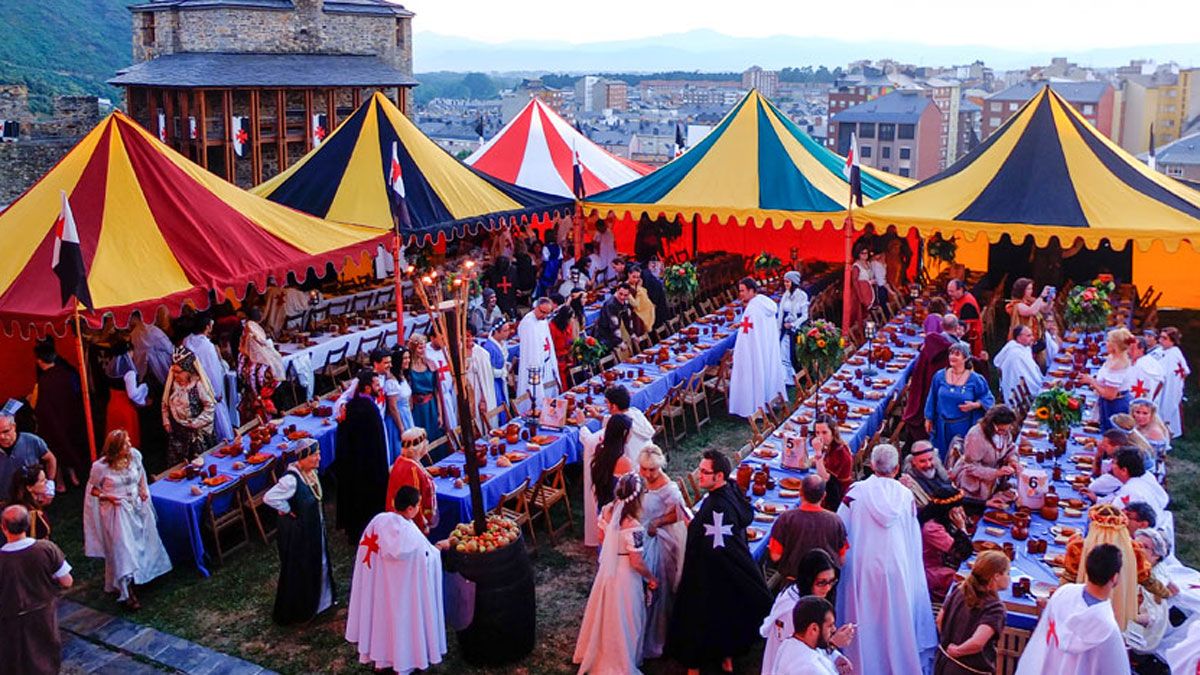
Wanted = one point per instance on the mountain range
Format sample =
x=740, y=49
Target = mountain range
x=707, y=50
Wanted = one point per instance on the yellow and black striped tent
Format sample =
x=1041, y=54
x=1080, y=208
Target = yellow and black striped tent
x=348, y=179
x=1048, y=173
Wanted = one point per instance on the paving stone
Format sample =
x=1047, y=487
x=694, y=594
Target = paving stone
x=223, y=664
x=84, y=620
x=128, y=666
x=116, y=632
x=189, y=658
x=85, y=656
x=149, y=643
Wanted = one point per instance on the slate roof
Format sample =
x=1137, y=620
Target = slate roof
x=1075, y=92
x=377, y=7
x=900, y=107
x=220, y=69
x=1186, y=150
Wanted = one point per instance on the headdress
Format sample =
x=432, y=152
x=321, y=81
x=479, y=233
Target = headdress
x=185, y=359
x=307, y=447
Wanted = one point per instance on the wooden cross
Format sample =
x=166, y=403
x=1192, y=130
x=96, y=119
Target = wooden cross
x=745, y=324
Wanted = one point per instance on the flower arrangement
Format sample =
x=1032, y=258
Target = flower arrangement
x=942, y=249
x=1056, y=409
x=681, y=281
x=765, y=261
x=1088, y=307
x=820, y=343
x=587, y=350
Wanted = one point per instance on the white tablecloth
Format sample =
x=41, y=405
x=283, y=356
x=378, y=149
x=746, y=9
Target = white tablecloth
x=300, y=362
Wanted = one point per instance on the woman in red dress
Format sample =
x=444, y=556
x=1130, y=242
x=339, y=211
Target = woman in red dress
x=862, y=286
x=125, y=395
x=562, y=333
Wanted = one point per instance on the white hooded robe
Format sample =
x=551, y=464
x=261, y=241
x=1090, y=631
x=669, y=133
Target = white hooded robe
x=1015, y=362
x=1072, y=638
x=758, y=374
x=537, y=351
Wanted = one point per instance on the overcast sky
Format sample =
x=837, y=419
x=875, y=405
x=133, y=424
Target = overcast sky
x=1014, y=24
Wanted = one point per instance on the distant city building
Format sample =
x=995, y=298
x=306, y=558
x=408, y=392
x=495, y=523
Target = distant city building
x=585, y=89
x=1168, y=98
x=765, y=81
x=899, y=132
x=513, y=102
x=969, y=117
x=1094, y=100
x=1180, y=158
x=855, y=89
x=266, y=77
x=947, y=94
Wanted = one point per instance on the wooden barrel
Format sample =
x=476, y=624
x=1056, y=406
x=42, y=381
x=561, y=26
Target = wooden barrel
x=505, y=619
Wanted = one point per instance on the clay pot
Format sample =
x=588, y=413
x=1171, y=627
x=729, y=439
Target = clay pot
x=744, y=475
x=1020, y=533
x=1050, y=500
x=512, y=433
x=1050, y=512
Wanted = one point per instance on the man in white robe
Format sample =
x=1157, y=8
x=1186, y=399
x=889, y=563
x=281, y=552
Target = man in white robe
x=1148, y=373
x=1136, y=484
x=883, y=588
x=537, y=350
x=803, y=653
x=439, y=361
x=482, y=378
x=214, y=369
x=1078, y=633
x=1175, y=370
x=282, y=302
x=758, y=375
x=396, y=613
x=1015, y=361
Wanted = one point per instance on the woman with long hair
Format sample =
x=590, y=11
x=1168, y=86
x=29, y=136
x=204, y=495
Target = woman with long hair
x=958, y=397
x=832, y=459
x=1027, y=310
x=119, y=523
x=945, y=543
x=933, y=320
x=989, y=454
x=610, y=638
x=29, y=490
x=1150, y=425
x=1112, y=382
x=862, y=286
x=423, y=382
x=603, y=460
x=401, y=364
x=972, y=619
x=664, y=515
x=817, y=576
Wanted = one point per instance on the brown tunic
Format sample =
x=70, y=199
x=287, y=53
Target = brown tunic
x=800, y=530
x=29, y=594
x=958, y=625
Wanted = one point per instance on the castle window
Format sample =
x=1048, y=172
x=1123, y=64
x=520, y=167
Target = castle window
x=399, y=32
x=148, y=28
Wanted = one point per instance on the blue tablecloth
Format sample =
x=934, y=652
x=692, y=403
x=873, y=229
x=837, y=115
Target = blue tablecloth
x=863, y=427
x=180, y=512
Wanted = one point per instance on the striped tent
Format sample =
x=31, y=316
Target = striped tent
x=345, y=179
x=1048, y=173
x=155, y=230
x=536, y=150
x=755, y=166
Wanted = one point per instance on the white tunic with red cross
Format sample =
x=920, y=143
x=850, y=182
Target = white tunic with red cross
x=537, y=351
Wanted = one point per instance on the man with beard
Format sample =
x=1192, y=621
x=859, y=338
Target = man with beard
x=924, y=473
x=722, y=597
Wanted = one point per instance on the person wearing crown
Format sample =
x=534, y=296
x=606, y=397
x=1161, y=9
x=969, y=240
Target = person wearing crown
x=188, y=409
x=407, y=470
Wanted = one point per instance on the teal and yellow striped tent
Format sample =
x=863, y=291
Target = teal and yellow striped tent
x=757, y=168
x=1047, y=173
x=346, y=180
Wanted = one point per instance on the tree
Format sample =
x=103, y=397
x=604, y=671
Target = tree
x=479, y=86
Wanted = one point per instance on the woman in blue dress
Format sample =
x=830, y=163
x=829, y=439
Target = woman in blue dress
x=958, y=397
x=423, y=382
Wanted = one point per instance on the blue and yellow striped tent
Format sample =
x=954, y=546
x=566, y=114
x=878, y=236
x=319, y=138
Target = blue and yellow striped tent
x=345, y=179
x=1048, y=173
x=755, y=166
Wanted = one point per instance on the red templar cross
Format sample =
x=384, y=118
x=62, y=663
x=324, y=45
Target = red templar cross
x=1052, y=632
x=242, y=136
x=745, y=324
x=371, y=542
x=504, y=285
x=443, y=371
x=1139, y=390
x=320, y=133
x=1181, y=372
x=546, y=347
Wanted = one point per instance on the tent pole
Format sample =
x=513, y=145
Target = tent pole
x=83, y=384
x=695, y=233
x=398, y=277
x=847, y=226
x=578, y=231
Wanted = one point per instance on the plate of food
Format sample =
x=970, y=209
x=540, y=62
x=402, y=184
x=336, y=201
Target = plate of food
x=542, y=439
x=982, y=545
x=766, y=453
x=258, y=458
x=789, y=494
x=176, y=475
x=874, y=395
x=1072, y=513
x=856, y=361
x=1002, y=518
x=790, y=483
x=770, y=507
x=217, y=480
x=754, y=534
x=763, y=517
x=516, y=456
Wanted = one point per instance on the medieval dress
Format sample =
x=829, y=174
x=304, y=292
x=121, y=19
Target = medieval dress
x=306, y=585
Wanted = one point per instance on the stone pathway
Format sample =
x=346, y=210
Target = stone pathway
x=96, y=642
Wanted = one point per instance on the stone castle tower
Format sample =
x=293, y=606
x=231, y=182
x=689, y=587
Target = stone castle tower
x=246, y=87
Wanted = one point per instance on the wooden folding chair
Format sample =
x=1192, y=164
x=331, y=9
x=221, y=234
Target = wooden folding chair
x=688, y=500
x=338, y=306
x=694, y=395
x=435, y=448
x=255, y=485
x=518, y=406
x=716, y=388
x=515, y=506
x=336, y=367
x=760, y=427
x=317, y=315
x=492, y=418
x=675, y=415
x=296, y=321
x=607, y=361
x=550, y=489
x=225, y=510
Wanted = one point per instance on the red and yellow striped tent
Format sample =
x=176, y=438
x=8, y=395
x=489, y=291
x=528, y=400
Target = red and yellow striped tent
x=155, y=230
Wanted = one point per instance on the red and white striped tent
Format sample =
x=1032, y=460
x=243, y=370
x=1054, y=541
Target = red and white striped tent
x=535, y=150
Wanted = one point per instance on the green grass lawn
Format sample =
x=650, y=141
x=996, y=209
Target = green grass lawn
x=230, y=611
